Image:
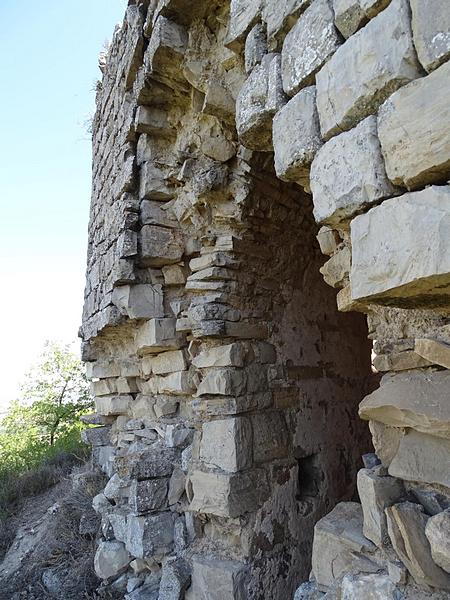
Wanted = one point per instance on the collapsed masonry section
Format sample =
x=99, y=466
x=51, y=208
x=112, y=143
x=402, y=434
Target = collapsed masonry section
x=226, y=382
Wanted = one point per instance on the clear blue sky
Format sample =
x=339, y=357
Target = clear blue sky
x=48, y=66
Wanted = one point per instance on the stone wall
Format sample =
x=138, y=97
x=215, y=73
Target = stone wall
x=227, y=138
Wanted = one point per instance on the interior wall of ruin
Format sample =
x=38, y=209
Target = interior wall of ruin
x=235, y=144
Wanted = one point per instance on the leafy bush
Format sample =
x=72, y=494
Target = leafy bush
x=40, y=434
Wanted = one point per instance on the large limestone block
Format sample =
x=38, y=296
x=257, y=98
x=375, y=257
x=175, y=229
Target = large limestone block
x=296, y=137
x=414, y=130
x=227, y=495
x=398, y=250
x=155, y=462
x=111, y=559
x=348, y=174
x=157, y=335
x=339, y=545
x=436, y=353
x=231, y=355
x=243, y=15
x=259, y=99
x=431, y=30
x=160, y=246
x=422, y=457
x=406, y=526
x=113, y=405
x=150, y=535
x=166, y=362
x=165, y=51
x=437, y=531
x=224, y=382
x=142, y=301
x=217, y=580
x=377, y=493
x=365, y=70
x=308, y=45
x=153, y=183
x=148, y=496
x=417, y=399
x=350, y=15
x=280, y=17
x=227, y=444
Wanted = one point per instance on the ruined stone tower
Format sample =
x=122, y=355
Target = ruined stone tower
x=235, y=144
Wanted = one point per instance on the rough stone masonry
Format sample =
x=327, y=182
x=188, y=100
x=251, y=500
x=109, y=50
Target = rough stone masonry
x=234, y=143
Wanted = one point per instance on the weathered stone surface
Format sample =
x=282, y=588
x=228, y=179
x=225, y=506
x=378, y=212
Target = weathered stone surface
x=400, y=361
x=308, y=45
x=96, y=436
x=223, y=382
x=227, y=444
x=218, y=580
x=160, y=246
x=155, y=212
x=409, y=269
x=150, y=535
x=365, y=70
x=165, y=51
x=259, y=99
x=270, y=439
x=431, y=30
x=112, y=405
x=296, y=137
x=174, y=580
x=336, y=270
x=255, y=47
x=411, y=399
x=434, y=352
x=153, y=183
x=377, y=493
x=350, y=15
x=437, y=531
x=110, y=559
x=142, y=301
x=422, y=457
x=231, y=355
x=339, y=545
x=413, y=126
x=155, y=462
x=280, y=18
x=167, y=362
x=386, y=441
x=157, y=335
x=243, y=15
x=406, y=526
x=348, y=174
x=148, y=496
x=227, y=495
x=308, y=591
x=375, y=586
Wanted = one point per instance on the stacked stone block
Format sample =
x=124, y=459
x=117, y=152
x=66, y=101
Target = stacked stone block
x=226, y=382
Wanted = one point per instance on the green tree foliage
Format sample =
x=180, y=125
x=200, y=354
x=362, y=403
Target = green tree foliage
x=45, y=421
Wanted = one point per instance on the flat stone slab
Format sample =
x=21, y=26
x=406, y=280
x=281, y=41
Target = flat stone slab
x=416, y=399
x=414, y=131
x=397, y=251
x=422, y=457
x=406, y=525
x=366, y=69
